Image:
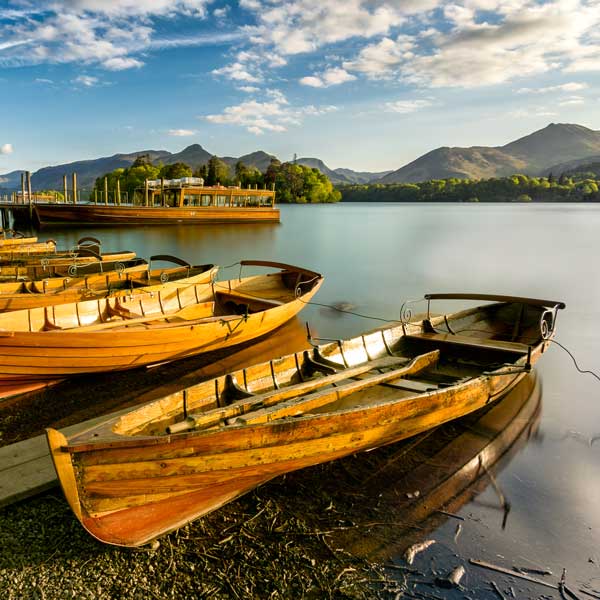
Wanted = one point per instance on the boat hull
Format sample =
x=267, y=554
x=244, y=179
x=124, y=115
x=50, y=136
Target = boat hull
x=130, y=490
x=95, y=215
x=50, y=352
x=146, y=473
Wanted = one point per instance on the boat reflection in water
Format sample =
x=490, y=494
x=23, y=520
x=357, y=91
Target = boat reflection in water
x=409, y=484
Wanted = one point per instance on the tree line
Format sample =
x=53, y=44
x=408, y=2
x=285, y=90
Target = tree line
x=574, y=187
x=293, y=183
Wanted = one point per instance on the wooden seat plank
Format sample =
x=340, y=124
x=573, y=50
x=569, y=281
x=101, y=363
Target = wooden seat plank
x=472, y=342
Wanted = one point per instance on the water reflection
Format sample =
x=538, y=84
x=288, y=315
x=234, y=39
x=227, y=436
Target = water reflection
x=406, y=486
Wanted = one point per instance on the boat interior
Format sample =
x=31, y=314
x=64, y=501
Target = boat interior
x=385, y=365
x=175, y=305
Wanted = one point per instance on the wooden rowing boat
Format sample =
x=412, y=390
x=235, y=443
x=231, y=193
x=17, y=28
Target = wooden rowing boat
x=154, y=469
x=15, y=238
x=67, y=268
x=87, y=249
x=62, y=290
x=34, y=249
x=121, y=333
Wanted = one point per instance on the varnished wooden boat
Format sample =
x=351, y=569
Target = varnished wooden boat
x=13, y=272
x=87, y=250
x=9, y=237
x=154, y=469
x=143, y=329
x=61, y=290
x=17, y=251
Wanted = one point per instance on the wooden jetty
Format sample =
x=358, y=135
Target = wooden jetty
x=159, y=202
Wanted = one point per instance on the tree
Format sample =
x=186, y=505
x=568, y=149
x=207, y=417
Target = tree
x=272, y=171
x=175, y=171
x=141, y=160
x=202, y=171
x=218, y=172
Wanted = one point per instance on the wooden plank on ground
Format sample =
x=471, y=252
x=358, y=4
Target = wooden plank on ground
x=26, y=468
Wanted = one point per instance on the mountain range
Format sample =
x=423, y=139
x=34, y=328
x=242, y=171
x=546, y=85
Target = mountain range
x=555, y=148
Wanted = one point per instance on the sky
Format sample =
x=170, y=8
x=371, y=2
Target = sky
x=363, y=84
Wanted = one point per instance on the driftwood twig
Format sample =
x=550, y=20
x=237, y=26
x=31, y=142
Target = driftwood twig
x=486, y=565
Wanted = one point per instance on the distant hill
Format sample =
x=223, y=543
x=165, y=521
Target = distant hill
x=259, y=160
x=359, y=176
x=10, y=180
x=340, y=176
x=558, y=142
x=462, y=163
x=88, y=170
x=194, y=156
x=589, y=163
x=530, y=155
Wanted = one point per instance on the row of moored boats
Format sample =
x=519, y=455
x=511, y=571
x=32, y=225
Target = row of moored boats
x=136, y=477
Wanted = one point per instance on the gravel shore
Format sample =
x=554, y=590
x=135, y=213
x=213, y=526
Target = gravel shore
x=272, y=543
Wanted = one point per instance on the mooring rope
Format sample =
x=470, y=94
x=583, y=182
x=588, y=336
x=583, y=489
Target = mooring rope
x=582, y=371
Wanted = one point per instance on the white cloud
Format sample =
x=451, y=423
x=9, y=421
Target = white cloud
x=249, y=89
x=109, y=33
x=221, y=13
x=312, y=81
x=333, y=76
x=408, y=106
x=238, y=72
x=381, y=60
x=563, y=87
x=572, y=101
x=523, y=39
x=118, y=63
x=86, y=80
x=6, y=149
x=274, y=115
x=528, y=113
x=181, y=132
x=141, y=8
x=43, y=80
x=295, y=26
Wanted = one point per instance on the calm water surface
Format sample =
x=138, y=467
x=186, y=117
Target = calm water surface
x=376, y=256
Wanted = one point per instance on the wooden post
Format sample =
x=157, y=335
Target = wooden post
x=74, y=188
x=118, y=198
x=23, y=187
x=29, y=194
x=146, y=192
x=106, y=190
x=65, y=190
x=95, y=195
x=162, y=191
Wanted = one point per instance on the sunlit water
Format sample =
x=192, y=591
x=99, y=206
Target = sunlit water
x=376, y=256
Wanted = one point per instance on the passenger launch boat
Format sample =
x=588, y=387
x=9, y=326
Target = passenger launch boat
x=112, y=334
x=150, y=471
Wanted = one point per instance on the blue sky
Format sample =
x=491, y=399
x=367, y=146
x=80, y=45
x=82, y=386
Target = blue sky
x=363, y=84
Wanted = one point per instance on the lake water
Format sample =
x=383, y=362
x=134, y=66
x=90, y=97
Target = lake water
x=378, y=255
